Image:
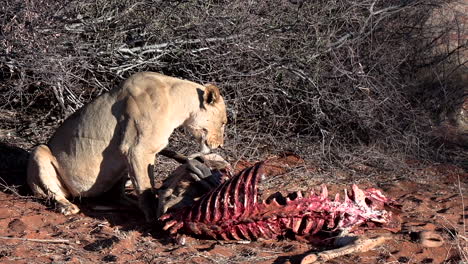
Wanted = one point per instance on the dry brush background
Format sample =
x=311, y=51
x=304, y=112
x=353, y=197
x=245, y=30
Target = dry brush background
x=336, y=81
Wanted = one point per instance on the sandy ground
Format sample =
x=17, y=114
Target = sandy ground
x=431, y=196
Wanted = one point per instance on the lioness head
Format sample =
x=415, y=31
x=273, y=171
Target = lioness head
x=207, y=124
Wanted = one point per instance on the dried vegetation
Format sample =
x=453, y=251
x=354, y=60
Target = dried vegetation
x=339, y=81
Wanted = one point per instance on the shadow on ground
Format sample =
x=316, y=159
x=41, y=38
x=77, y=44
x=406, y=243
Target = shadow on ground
x=13, y=174
x=13, y=164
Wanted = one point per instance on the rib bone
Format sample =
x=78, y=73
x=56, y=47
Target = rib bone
x=233, y=211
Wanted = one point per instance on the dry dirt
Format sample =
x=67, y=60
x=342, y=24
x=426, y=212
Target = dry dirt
x=431, y=196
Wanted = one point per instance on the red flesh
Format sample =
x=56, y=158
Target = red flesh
x=231, y=211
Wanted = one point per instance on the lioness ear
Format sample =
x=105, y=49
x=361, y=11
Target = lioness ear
x=212, y=94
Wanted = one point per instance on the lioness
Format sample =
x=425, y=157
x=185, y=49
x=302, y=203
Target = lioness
x=119, y=133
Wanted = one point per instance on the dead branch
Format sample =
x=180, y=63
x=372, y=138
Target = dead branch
x=55, y=241
x=159, y=47
x=359, y=246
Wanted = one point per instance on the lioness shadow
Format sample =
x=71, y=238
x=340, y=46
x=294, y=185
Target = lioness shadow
x=106, y=207
x=13, y=165
x=13, y=176
x=126, y=218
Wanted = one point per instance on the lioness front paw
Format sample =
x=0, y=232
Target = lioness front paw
x=68, y=209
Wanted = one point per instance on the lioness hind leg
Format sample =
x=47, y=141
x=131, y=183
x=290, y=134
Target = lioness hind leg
x=44, y=181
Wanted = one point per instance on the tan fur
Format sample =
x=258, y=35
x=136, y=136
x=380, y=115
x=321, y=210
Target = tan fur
x=119, y=133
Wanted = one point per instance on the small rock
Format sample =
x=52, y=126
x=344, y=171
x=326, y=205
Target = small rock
x=403, y=259
x=430, y=239
x=17, y=225
x=109, y=258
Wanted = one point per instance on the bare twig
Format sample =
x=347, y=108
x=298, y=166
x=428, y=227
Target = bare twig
x=359, y=246
x=55, y=241
x=160, y=47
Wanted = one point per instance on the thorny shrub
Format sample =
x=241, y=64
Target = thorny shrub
x=330, y=79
